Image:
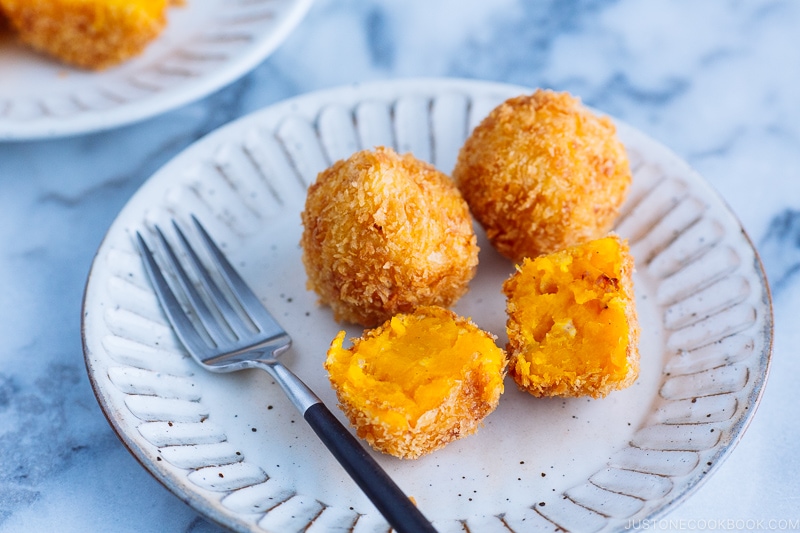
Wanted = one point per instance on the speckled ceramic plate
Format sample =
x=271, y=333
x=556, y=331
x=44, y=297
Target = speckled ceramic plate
x=233, y=447
x=206, y=45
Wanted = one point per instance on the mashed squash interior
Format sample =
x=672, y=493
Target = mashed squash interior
x=570, y=321
x=414, y=364
x=418, y=381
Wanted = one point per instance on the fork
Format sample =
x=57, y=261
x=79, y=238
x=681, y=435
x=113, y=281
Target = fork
x=224, y=339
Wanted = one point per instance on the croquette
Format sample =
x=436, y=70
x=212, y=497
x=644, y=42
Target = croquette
x=417, y=382
x=572, y=323
x=92, y=34
x=541, y=172
x=385, y=233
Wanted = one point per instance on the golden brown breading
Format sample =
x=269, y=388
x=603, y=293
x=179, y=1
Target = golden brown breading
x=384, y=234
x=572, y=323
x=93, y=34
x=5, y=26
x=417, y=382
x=541, y=173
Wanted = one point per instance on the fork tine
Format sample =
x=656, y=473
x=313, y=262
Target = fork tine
x=250, y=302
x=209, y=321
x=230, y=315
x=182, y=326
x=390, y=500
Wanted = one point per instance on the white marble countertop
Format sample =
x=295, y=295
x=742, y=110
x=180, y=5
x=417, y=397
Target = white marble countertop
x=717, y=82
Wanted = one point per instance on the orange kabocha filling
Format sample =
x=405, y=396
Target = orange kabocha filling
x=572, y=324
x=417, y=382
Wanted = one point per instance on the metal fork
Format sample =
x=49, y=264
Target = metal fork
x=226, y=340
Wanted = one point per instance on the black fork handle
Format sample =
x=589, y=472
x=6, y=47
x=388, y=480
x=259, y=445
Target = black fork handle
x=394, y=505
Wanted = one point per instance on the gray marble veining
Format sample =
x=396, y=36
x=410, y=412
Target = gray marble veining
x=717, y=82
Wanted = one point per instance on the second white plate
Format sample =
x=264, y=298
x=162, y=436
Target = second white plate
x=234, y=448
x=206, y=45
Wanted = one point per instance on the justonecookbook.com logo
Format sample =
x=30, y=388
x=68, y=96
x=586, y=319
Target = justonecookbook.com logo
x=726, y=524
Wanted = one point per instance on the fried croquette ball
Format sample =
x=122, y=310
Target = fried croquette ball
x=572, y=323
x=541, y=172
x=417, y=382
x=384, y=234
x=93, y=34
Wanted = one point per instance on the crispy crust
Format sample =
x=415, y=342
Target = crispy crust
x=87, y=33
x=541, y=173
x=384, y=234
x=610, y=286
x=387, y=422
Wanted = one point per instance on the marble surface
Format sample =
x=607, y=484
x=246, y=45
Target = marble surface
x=718, y=82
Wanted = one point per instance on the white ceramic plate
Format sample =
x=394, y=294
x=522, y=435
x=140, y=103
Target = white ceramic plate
x=235, y=449
x=206, y=45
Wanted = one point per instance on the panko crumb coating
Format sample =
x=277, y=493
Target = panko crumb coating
x=417, y=382
x=572, y=323
x=541, y=172
x=383, y=234
x=92, y=34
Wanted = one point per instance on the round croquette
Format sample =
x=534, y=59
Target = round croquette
x=385, y=233
x=541, y=172
x=417, y=382
x=92, y=34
